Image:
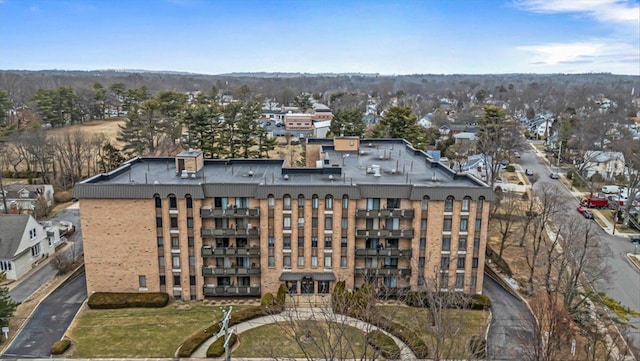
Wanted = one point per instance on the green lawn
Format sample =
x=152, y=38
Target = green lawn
x=459, y=324
x=278, y=340
x=140, y=332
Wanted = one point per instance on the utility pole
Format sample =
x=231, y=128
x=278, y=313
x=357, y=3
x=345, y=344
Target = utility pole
x=224, y=326
x=4, y=198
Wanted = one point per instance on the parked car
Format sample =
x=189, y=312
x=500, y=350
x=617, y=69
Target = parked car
x=587, y=214
x=634, y=239
x=610, y=189
x=528, y=172
x=554, y=175
x=516, y=154
x=581, y=209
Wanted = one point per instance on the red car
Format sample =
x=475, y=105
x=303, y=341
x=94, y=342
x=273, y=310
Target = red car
x=582, y=209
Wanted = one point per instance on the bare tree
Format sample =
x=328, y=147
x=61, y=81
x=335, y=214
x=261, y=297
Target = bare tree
x=508, y=218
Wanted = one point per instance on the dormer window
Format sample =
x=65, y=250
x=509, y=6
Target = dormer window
x=24, y=193
x=32, y=233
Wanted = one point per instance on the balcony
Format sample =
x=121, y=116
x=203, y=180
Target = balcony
x=383, y=252
x=364, y=271
x=228, y=291
x=385, y=233
x=208, y=271
x=230, y=232
x=408, y=213
x=229, y=212
x=208, y=251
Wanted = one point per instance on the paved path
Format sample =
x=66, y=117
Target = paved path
x=319, y=314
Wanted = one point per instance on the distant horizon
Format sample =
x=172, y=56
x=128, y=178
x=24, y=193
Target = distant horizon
x=390, y=37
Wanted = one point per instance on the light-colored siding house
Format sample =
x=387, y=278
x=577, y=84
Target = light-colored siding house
x=24, y=243
x=23, y=197
x=608, y=164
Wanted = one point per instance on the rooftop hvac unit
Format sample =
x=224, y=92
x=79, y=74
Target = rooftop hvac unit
x=184, y=174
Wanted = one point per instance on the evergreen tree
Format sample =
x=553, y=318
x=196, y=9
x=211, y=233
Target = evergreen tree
x=5, y=106
x=347, y=122
x=399, y=122
x=203, y=128
x=247, y=126
x=303, y=102
x=7, y=306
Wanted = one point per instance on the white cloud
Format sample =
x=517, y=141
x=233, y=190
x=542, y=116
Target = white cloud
x=606, y=11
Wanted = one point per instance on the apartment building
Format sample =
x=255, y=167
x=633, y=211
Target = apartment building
x=362, y=210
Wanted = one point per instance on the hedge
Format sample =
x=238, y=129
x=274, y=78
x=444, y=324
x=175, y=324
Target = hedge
x=415, y=343
x=193, y=342
x=267, y=300
x=479, y=302
x=60, y=347
x=383, y=344
x=281, y=296
x=217, y=347
x=112, y=300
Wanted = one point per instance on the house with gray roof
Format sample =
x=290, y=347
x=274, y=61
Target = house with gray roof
x=24, y=243
x=23, y=197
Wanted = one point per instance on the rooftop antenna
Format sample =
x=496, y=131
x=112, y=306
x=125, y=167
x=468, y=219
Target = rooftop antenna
x=167, y=164
x=129, y=176
x=407, y=178
x=273, y=178
x=412, y=166
x=145, y=178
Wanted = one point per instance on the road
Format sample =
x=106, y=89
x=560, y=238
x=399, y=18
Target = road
x=49, y=322
x=510, y=327
x=29, y=285
x=625, y=278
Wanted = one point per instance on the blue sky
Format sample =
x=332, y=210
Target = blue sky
x=386, y=37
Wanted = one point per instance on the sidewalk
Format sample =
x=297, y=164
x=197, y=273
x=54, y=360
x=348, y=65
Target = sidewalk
x=320, y=314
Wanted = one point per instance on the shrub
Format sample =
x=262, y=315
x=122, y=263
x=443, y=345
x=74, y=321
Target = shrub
x=479, y=302
x=193, y=342
x=247, y=314
x=62, y=196
x=477, y=347
x=415, y=343
x=383, y=344
x=510, y=168
x=112, y=300
x=60, y=347
x=281, y=296
x=597, y=178
x=267, y=300
x=217, y=347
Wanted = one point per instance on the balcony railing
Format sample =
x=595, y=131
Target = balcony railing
x=230, y=291
x=402, y=272
x=230, y=251
x=382, y=213
x=230, y=232
x=385, y=233
x=229, y=212
x=383, y=252
x=230, y=271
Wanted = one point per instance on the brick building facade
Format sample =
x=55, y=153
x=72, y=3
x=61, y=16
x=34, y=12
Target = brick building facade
x=370, y=210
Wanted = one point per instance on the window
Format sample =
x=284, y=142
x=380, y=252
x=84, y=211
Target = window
x=480, y=204
x=174, y=222
x=189, y=222
x=292, y=287
x=142, y=281
x=423, y=224
x=373, y=203
x=460, y=280
x=465, y=204
x=192, y=280
x=175, y=242
x=160, y=241
x=221, y=202
x=314, y=201
x=476, y=244
x=314, y=242
x=286, y=261
x=343, y=261
x=242, y=202
x=300, y=261
x=300, y=222
x=446, y=244
x=478, y=224
x=286, y=202
x=301, y=201
x=421, y=281
x=461, y=262
x=35, y=250
x=173, y=202
x=393, y=203
x=175, y=262
x=328, y=223
x=161, y=261
x=190, y=241
x=474, y=281
x=286, y=222
x=5, y=266
x=423, y=243
x=314, y=222
x=271, y=242
x=344, y=223
x=328, y=202
x=271, y=202
x=286, y=241
x=444, y=262
x=327, y=242
x=323, y=286
x=327, y=261
x=448, y=204
x=425, y=203
x=421, y=262
x=158, y=201
x=163, y=280
x=343, y=242
x=464, y=224
x=176, y=280
x=446, y=225
x=300, y=242
x=444, y=280
x=192, y=261
x=474, y=262
x=158, y=222
x=345, y=202
x=314, y=261
x=462, y=244
x=189, y=201
x=271, y=261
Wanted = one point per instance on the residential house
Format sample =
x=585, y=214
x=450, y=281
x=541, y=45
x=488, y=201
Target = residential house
x=607, y=164
x=24, y=243
x=23, y=197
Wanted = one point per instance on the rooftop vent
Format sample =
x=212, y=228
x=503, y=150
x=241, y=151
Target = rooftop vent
x=184, y=174
x=330, y=176
x=250, y=173
x=286, y=177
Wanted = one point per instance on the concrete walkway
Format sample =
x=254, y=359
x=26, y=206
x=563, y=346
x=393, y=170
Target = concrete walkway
x=318, y=314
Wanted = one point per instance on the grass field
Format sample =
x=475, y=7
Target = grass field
x=108, y=127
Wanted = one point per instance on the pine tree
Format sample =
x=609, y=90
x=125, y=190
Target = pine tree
x=7, y=306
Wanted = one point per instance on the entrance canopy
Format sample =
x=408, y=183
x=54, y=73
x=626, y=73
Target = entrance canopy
x=297, y=276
